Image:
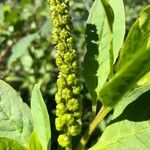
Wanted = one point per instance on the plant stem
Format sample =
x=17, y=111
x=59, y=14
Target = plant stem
x=69, y=146
x=100, y=116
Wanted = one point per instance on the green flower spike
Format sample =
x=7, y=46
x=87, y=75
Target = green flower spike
x=68, y=100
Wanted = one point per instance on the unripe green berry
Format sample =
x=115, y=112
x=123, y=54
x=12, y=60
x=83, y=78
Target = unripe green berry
x=59, y=60
x=75, y=65
x=70, y=42
x=64, y=140
x=64, y=34
x=61, y=82
x=58, y=97
x=76, y=90
x=61, y=47
x=68, y=119
x=60, y=109
x=74, y=129
x=65, y=69
x=60, y=8
x=65, y=19
x=71, y=78
x=72, y=104
x=70, y=56
x=59, y=124
x=66, y=94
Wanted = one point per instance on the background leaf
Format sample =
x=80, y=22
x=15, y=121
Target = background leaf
x=20, y=47
x=134, y=62
x=46, y=28
x=130, y=125
x=15, y=116
x=1, y=13
x=40, y=117
x=10, y=144
x=98, y=40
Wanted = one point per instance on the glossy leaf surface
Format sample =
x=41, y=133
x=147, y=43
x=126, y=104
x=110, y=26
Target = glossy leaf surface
x=134, y=62
x=99, y=40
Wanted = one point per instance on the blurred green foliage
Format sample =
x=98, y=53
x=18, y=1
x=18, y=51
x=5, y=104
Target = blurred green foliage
x=27, y=56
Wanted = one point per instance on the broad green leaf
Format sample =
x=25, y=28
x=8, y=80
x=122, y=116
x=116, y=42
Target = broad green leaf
x=34, y=142
x=99, y=41
x=140, y=29
x=133, y=65
x=40, y=117
x=130, y=127
x=10, y=144
x=15, y=116
x=20, y=48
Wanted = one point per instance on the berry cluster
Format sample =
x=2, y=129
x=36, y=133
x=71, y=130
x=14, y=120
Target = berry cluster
x=69, y=107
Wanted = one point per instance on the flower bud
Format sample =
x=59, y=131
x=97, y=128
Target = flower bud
x=76, y=90
x=71, y=78
x=70, y=56
x=60, y=109
x=61, y=47
x=60, y=8
x=59, y=61
x=65, y=69
x=72, y=104
x=66, y=94
x=70, y=42
x=65, y=19
x=61, y=82
x=59, y=124
x=64, y=140
x=75, y=65
x=68, y=119
x=58, y=97
x=64, y=34
x=74, y=129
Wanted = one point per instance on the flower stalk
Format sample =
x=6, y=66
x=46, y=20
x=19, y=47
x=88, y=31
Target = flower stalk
x=68, y=100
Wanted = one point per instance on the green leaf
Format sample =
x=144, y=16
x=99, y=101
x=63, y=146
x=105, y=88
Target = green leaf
x=130, y=127
x=34, y=142
x=140, y=30
x=99, y=41
x=10, y=144
x=15, y=116
x=40, y=117
x=46, y=28
x=109, y=14
x=1, y=13
x=132, y=65
x=20, y=48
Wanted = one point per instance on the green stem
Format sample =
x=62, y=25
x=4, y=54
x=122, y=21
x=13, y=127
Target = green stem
x=69, y=147
x=100, y=116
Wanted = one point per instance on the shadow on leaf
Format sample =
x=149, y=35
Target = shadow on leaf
x=138, y=110
x=90, y=62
